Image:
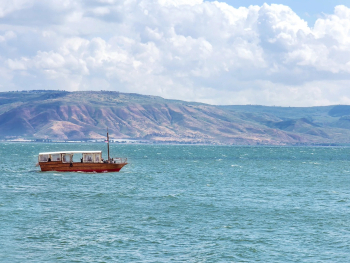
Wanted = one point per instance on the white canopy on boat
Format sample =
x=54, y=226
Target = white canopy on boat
x=70, y=152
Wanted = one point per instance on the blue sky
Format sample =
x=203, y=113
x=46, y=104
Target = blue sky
x=193, y=50
x=309, y=10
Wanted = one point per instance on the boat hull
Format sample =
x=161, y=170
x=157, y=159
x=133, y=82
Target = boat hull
x=81, y=167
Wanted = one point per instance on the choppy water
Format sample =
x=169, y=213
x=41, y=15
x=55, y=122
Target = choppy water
x=178, y=204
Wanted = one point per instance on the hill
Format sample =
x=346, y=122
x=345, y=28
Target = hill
x=61, y=115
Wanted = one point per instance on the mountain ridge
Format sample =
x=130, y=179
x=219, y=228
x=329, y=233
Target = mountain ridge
x=81, y=115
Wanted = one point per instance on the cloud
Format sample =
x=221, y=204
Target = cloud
x=190, y=50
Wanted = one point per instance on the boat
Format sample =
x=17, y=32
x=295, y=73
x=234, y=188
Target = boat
x=89, y=161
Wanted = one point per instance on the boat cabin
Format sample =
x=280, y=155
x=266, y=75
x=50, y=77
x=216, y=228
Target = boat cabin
x=67, y=157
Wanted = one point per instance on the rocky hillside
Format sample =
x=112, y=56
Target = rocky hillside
x=61, y=115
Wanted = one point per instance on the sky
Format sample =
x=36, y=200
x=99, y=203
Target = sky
x=309, y=10
x=233, y=52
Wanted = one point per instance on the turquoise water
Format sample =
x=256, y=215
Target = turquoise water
x=178, y=204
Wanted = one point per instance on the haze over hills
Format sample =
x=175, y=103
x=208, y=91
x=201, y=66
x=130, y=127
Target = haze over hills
x=61, y=115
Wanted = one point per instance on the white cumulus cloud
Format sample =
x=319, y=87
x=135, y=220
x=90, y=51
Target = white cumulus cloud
x=182, y=49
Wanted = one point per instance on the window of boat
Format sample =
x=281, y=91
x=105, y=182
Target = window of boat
x=97, y=158
x=56, y=157
x=67, y=158
x=88, y=157
x=43, y=157
x=76, y=158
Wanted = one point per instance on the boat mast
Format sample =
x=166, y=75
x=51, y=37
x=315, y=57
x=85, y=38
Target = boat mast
x=108, y=144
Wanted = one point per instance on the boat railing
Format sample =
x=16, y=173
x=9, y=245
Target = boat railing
x=119, y=160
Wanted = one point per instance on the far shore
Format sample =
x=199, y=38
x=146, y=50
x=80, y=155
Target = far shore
x=150, y=142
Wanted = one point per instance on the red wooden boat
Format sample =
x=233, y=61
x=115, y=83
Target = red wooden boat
x=90, y=161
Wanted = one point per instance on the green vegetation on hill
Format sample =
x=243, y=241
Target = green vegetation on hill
x=62, y=115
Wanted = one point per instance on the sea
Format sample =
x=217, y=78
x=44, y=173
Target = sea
x=178, y=203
